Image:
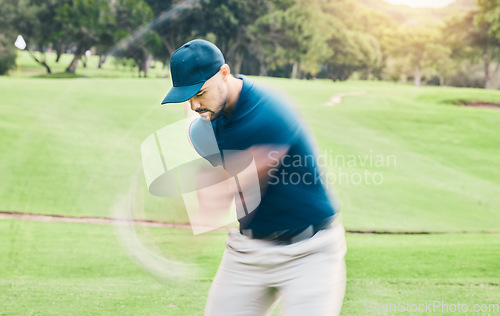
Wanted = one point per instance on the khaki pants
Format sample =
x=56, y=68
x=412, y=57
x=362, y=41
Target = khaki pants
x=308, y=276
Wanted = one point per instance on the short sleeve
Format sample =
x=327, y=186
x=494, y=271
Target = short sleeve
x=202, y=137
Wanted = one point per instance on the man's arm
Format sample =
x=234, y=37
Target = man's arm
x=246, y=182
x=267, y=158
x=247, y=172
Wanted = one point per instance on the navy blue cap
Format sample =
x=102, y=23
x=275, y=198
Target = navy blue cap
x=191, y=65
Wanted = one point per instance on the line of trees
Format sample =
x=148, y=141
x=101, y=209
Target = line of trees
x=291, y=38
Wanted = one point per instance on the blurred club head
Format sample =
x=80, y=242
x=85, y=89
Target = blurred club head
x=155, y=233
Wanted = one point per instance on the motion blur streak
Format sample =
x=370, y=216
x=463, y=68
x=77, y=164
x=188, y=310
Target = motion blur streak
x=124, y=209
x=166, y=17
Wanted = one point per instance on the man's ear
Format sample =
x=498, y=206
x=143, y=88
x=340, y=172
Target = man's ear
x=225, y=71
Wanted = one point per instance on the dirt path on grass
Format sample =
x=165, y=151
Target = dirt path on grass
x=88, y=220
x=480, y=104
x=337, y=98
x=150, y=223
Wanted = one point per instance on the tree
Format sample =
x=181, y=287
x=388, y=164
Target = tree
x=489, y=15
x=174, y=22
x=292, y=33
x=35, y=20
x=353, y=48
x=487, y=23
x=441, y=58
x=228, y=23
x=7, y=37
x=84, y=21
x=419, y=46
x=353, y=51
x=469, y=37
x=441, y=62
x=7, y=54
x=397, y=69
x=131, y=18
x=383, y=29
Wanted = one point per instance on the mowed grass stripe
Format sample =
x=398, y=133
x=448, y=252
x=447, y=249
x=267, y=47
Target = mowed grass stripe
x=447, y=171
x=82, y=269
x=74, y=148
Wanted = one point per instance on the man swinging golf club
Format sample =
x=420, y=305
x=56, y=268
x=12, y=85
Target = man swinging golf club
x=292, y=245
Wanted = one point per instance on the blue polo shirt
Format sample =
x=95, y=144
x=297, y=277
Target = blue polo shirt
x=296, y=195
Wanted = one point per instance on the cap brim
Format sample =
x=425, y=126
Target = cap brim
x=181, y=94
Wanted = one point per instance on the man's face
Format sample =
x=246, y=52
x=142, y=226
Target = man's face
x=211, y=100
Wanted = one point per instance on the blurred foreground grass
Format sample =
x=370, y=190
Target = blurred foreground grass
x=81, y=269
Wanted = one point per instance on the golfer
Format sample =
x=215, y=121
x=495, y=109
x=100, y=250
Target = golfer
x=292, y=245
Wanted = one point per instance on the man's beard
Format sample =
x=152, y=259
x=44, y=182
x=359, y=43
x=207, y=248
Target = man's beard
x=213, y=115
x=221, y=106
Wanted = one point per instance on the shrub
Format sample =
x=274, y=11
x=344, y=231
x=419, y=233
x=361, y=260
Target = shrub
x=7, y=54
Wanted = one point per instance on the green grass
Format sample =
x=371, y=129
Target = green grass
x=71, y=146
x=82, y=269
x=446, y=174
x=387, y=269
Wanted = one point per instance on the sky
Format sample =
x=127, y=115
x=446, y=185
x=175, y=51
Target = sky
x=422, y=3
